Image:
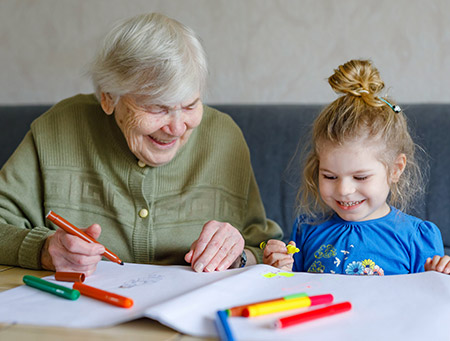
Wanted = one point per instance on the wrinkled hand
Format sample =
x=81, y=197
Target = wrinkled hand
x=64, y=252
x=217, y=247
x=275, y=254
x=439, y=264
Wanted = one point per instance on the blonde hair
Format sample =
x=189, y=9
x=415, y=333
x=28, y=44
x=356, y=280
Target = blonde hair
x=151, y=55
x=359, y=112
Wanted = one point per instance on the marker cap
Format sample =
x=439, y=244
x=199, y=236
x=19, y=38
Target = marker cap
x=69, y=276
x=321, y=299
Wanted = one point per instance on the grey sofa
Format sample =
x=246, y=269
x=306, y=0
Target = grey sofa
x=275, y=132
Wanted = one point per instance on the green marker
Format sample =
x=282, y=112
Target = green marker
x=52, y=288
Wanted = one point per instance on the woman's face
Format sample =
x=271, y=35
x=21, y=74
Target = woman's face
x=155, y=133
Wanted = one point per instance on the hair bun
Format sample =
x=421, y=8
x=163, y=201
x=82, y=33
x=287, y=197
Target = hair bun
x=357, y=78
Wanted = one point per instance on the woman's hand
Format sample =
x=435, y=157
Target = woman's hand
x=217, y=247
x=275, y=254
x=439, y=264
x=64, y=252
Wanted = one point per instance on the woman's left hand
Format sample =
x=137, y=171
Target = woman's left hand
x=217, y=247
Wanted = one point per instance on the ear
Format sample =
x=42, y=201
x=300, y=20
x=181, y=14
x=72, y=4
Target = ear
x=398, y=168
x=107, y=103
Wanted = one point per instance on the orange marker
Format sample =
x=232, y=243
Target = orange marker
x=75, y=231
x=102, y=295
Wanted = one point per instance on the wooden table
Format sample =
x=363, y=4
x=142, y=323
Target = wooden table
x=141, y=329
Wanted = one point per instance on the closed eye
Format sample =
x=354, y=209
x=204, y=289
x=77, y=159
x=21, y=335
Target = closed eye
x=329, y=177
x=156, y=109
x=192, y=106
x=360, y=178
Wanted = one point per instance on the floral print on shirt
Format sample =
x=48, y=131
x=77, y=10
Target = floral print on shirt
x=363, y=267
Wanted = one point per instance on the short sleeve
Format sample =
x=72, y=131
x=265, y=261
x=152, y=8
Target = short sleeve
x=426, y=242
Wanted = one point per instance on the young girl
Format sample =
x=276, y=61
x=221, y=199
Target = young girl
x=361, y=166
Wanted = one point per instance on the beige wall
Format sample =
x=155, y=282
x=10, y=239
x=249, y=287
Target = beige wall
x=260, y=51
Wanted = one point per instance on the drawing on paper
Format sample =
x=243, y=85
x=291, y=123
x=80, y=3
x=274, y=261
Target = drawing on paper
x=275, y=274
x=151, y=278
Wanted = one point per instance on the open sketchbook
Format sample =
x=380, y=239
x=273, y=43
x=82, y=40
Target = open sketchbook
x=404, y=307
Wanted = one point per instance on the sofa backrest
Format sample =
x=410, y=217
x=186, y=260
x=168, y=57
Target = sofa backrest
x=275, y=132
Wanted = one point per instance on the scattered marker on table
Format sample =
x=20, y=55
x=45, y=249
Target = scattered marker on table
x=51, y=288
x=313, y=314
x=222, y=326
x=102, y=295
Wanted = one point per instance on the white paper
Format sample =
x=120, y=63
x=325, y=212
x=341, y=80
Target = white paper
x=147, y=285
x=404, y=307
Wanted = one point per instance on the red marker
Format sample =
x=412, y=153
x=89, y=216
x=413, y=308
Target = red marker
x=75, y=231
x=102, y=295
x=313, y=314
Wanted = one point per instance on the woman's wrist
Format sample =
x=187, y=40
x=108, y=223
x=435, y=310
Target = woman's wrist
x=240, y=261
x=46, y=258
x=246, y=258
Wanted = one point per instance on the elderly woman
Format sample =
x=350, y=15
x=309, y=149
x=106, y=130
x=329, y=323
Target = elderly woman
x=156, y=175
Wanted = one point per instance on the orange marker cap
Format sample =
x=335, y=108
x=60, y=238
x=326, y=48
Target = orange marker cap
x=69, y=276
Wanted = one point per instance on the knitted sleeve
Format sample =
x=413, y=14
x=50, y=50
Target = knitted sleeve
x=22, y=231
x=257, y=227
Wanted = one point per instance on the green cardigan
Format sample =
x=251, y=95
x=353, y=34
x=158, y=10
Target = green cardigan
x=76, y=162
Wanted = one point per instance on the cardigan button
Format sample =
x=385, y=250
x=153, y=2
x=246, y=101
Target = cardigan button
x=141, y=164
x=143, y=213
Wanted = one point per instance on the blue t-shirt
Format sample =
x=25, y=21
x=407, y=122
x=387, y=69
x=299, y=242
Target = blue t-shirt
x=394, y=244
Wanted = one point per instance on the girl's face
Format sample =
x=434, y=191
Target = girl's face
x=353, y=182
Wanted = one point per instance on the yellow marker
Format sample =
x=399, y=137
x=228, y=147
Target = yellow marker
x=290, y=248
x=275, y=307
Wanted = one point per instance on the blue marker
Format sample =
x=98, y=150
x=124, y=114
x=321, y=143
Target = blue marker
x=223, y=328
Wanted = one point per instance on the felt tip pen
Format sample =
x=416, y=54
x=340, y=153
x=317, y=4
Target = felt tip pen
x=222, y=326
x=237, y=311
x=275, y=307
x=51, y=288
x=102, y=295
x=75, y=231
x=291, y=249
x=313, y=314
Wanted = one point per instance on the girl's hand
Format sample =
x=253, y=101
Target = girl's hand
x=275, y=254
x=439, y=264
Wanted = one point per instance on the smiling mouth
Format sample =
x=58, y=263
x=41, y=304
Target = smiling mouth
x=349, y=203
x=161, y=142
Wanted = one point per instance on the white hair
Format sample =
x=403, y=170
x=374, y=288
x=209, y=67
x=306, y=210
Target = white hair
x=150, y=55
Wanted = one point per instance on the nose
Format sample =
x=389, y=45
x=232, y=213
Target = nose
x=345, y=187
x=176, y=125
